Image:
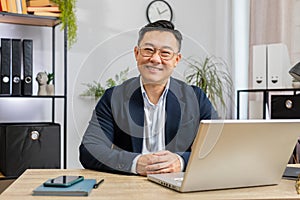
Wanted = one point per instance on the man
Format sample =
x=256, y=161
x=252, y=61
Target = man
x=147, y=124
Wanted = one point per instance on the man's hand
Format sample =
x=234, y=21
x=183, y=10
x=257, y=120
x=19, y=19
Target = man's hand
x=159, y=162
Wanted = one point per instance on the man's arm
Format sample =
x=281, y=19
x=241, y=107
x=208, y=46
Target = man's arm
x=207, y=111
x=96, y=149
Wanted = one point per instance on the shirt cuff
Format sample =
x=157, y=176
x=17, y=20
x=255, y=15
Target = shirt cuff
x=181, y=162
x=133, y=166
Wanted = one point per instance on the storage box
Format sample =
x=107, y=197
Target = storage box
x=29, y=145
x=285, y=106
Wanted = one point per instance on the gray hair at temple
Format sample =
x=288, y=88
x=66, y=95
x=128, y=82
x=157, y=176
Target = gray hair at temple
x=161, y=25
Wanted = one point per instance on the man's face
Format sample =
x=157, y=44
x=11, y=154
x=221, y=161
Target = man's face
x=157, y=56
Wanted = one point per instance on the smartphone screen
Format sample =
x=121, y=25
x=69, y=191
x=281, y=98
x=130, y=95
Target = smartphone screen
x=63, y=181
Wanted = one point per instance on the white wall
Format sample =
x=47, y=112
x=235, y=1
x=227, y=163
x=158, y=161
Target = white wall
x=107, y=34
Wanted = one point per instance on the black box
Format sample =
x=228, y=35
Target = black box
x=285, y=106
x=29, y=145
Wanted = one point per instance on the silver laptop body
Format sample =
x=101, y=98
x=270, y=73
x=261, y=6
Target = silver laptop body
x=235, y=153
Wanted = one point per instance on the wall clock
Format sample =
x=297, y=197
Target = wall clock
x=159, y=10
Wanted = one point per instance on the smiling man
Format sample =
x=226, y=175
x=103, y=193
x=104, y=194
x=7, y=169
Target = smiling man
x=147, y=124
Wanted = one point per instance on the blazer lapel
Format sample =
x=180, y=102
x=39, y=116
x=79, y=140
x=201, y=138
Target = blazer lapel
x=173, y=117
x=136, y=110
x=173, y=111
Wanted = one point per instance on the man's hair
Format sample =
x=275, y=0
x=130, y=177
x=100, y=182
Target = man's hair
x=161, y=25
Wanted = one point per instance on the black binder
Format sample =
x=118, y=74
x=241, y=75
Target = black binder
x=16, y=67
x=5, y=66
x=27, y=64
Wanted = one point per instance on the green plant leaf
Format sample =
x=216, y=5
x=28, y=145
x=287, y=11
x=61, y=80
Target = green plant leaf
x=212, y=75
x=96, y=90
x=68, y=18
x=50, y=77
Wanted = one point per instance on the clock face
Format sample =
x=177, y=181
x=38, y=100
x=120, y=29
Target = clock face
x=159, y=10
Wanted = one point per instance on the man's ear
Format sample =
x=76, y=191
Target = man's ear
x=136, y=52
x=178, y=58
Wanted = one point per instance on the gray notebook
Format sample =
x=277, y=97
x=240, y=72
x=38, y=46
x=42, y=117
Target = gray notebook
x=82, y=188
x=291, y=173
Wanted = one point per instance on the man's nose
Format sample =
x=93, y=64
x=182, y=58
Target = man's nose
x=156, y=57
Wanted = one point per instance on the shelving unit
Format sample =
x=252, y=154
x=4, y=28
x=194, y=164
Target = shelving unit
x=32, y=20
x=51, y=22
x=265, y=93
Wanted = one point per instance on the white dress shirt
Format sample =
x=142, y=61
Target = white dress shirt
x=154, y=125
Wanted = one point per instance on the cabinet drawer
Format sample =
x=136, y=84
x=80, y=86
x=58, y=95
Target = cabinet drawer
x=29, y=145
x=285, y=107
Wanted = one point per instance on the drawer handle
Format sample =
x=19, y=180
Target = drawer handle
x=34, y=135
x=288, y=104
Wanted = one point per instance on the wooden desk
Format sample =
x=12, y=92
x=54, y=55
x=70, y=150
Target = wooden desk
x=136, y=187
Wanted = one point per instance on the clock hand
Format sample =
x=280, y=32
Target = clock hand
x=163, y=11
x=157, y=9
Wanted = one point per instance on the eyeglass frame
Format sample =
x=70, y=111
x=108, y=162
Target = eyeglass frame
x=159, y=52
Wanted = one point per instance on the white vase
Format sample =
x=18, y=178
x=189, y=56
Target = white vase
x=50, y=89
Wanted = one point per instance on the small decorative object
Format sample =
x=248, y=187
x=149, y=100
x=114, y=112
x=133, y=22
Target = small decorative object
x=295, y=83
x=45, y=88
x=295, y=73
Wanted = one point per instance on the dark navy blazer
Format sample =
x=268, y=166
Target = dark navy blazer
x=114, y=136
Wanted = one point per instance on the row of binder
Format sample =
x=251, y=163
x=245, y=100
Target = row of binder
x=16, y=57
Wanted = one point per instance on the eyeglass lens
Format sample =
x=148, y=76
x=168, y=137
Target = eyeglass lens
x=165, y=54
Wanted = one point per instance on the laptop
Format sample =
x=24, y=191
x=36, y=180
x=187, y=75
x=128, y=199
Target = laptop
x=235, y=154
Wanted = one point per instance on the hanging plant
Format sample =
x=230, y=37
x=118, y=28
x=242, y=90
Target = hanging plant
x=68, y=18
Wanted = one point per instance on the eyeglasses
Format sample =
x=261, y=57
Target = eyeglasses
x=164, y=53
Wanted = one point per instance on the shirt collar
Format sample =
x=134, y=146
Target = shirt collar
x=164, y=94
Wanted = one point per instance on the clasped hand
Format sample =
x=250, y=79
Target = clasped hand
x=159, y=162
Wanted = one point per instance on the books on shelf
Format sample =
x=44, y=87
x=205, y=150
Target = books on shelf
x=23, y=7
x=35, y=7
x=45, y=13
x=11, y=6
x=14, y=6
x=40, y=3
x=44, y=10
x=3, y=4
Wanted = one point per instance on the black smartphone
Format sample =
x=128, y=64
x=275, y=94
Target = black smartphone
x=63, y=181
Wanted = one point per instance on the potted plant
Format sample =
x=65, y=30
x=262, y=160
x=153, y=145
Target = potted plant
x=213, y=77
x=50, y=77
x=68, y=19
x=96, y=90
